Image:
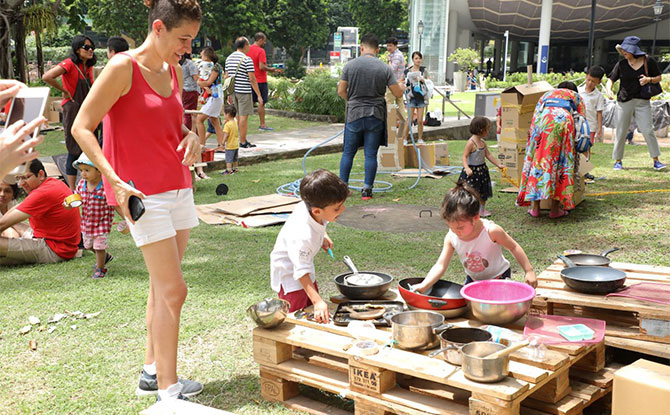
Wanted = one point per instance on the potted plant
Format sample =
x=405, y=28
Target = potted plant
x=466, y=59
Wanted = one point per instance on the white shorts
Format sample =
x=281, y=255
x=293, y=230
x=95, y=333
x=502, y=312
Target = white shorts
x=164, y=215
x=212, y=107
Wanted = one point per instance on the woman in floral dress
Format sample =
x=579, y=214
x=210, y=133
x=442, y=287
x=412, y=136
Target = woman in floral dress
x=548, y=169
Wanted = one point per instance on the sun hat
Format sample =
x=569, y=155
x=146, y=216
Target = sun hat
x=629, y=45
x=83, y=159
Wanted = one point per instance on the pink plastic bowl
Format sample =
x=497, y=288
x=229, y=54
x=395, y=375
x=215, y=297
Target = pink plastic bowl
x=498, y=301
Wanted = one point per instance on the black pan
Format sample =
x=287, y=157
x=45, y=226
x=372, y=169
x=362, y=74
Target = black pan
x=363, y=292
x=592, y=259
x=591, y=279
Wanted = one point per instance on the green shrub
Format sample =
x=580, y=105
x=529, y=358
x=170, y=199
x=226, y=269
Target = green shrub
x=53, y=91
x=60, y=53
x=521, y=78
x=294, y=69
x=465, y=58
x=317, y=94
x=281, y=93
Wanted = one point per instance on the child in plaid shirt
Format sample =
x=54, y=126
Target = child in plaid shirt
x=96, y=214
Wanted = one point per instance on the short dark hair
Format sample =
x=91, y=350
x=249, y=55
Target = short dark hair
x=597, y=72
x=567, y=85
x=479, y=125
x=392, y=40
x=370, y=40
x=173, y=12
x=77, y=43
x=322, y=188
x=259, y=36
x=416, y=52
x=209, y=52
x=36, y=166
x=117, y=44
x=230, y=109
x=461, y=202
x=240, y=43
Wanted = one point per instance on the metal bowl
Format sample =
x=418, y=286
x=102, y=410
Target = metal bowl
x=269, y=313
x=498, y=301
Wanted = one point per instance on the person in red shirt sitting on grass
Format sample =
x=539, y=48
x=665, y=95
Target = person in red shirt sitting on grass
x=56, y=230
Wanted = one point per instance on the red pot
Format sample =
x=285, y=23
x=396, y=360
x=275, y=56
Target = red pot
x=446, y=295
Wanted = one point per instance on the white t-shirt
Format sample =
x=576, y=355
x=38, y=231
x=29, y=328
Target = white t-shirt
x=594, y=102
x=292, y=257
x=481, y=257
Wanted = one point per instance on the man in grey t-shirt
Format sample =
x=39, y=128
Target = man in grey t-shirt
x=363, y=84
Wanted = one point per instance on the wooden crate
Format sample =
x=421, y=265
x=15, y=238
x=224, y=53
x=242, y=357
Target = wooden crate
x=635, y=325
x=395, y=381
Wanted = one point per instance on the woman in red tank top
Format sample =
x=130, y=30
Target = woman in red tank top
x=139, y=95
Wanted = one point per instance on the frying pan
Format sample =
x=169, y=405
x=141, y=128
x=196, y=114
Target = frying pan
x=363, y=292
x=444, y=295
x=592, y=259
x=591, y=279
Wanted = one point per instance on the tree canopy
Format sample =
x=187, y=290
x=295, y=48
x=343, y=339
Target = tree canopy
x=380, y=17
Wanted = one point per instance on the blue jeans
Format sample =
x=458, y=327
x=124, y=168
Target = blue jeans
x=367, y=132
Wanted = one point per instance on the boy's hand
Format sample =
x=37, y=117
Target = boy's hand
x=327, y=243
x=321, y=314
x=531, y=279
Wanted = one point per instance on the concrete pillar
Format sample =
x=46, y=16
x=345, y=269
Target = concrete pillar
x=545, y=35
x=497, y=55
x=599, y=52
x=452, y=40
x=482, y=63
x=514, y=55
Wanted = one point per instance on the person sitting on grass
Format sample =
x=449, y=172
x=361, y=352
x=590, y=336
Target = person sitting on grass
x=8, y=194
x=56, y=230
x=292, y=273
x=96, y=214
x=476, y=241
x=231, y=138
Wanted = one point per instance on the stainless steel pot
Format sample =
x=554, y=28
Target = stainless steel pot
x=454, y=338
x=417, y=330
x=480, y=369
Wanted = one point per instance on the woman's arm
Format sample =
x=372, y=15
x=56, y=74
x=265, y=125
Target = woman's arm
x=209, y=81
x=50, y=78
x=190, y=140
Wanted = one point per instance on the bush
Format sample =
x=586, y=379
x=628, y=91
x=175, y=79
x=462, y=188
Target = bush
x=281, y=93
x=317, y=94
x=517, y=78
x=60, y=53
x=294, y=69
x=466, y=58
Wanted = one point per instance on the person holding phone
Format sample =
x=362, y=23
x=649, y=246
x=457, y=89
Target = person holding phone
x=153, y=150
x=76, y=73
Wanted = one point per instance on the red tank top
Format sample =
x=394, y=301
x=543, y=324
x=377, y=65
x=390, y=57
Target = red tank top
x=141, y=133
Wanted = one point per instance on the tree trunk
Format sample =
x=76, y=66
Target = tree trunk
x=6, y=67
x=20, y=49
x=40, y=55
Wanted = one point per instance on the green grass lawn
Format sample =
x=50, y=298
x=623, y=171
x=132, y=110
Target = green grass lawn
x=54, y=140
x=92, y=368
x=464, y=100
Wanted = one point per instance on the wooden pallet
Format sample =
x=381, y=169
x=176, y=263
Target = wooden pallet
x=631, y=324
x=315, y=355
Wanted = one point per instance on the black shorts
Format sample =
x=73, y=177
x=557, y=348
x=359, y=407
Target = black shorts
x=69, y=168
x=263, y=88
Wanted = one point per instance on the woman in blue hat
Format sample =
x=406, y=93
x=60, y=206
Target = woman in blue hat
x=634, y=71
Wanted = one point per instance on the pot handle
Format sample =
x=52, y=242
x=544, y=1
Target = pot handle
x=608, y=251
x=568, y=263
x=439, y=329
x=437, y=303
x=444, y=349
x=350, y=264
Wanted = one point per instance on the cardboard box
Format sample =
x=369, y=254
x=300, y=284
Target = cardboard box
x=514, y=135
x=512, y=155
x=392, y=157
x=518, y=104
x=641, y=388
x=579, y=187
x=513, y=118
x=427, y=152
x=441, y=153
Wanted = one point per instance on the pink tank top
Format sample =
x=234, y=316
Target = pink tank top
x=141, y=133
x=481, y=257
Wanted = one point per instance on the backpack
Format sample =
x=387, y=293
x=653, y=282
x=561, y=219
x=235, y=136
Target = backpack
x=432, y=120
x=229, y=83
x=582, y=135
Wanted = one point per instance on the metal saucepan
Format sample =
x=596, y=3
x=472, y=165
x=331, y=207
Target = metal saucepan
x=592, y=259
x=444, y=295
x=591, y=279
x=454, y=338
x=476, y=366
x=417, y=330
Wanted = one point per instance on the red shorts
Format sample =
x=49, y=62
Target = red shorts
x=297, y=299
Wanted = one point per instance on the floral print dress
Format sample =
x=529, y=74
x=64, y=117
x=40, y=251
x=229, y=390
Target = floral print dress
x=548, y=169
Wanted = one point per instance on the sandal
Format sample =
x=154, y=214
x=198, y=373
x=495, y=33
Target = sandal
x=220, y=149
x=560, y=214
x=534, y=213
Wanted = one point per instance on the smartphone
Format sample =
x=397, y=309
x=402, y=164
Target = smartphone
x=27, y=105
x=135, y=205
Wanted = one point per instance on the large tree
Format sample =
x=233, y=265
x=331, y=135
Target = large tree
x=39, y=18
x=339, y=15
x=119, y=16
x=228, y=19
x=380, y=17
x=297, y=24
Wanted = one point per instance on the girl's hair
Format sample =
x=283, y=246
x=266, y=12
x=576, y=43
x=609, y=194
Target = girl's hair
x=173, y=12
x=461, y=202
x=417, y=53
x=479, y=125
x=567, y=85
x=15, y=190
x=77, y=43
x=211, y=55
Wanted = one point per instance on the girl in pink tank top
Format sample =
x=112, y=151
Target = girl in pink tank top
x=477, y=242
x=139, y=96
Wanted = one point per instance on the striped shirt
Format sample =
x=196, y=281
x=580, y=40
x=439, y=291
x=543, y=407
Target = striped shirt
x=242, y=84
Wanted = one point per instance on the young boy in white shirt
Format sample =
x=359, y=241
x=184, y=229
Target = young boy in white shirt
x=292, y=273
x=594, y=101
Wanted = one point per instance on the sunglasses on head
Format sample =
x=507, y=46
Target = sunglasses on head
x=88, y=47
